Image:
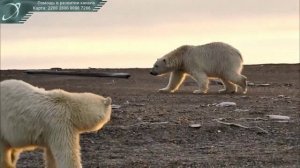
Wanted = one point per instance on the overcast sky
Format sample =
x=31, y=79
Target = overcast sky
x=133, y=33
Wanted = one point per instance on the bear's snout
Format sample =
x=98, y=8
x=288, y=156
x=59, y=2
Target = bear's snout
x=153, y=73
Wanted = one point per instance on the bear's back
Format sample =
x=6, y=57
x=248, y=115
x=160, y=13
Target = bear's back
x=17, y=91
x=22, y=112
x=215, y=58
x=219, y=50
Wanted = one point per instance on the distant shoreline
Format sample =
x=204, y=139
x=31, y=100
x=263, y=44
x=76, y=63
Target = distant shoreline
x=93, y=68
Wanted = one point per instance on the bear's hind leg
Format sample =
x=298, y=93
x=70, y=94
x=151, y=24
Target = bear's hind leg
x=202, y=81
x=5, y=156
x=228, y=87
x=49, y=159
x=175, y=80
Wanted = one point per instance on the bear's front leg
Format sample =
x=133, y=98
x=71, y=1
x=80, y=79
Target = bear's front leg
x=66, y=151
x=237, y=79
x=229, y=87
x=175, y=80
x=15, y=156
x=165, y=90
x=202, y=81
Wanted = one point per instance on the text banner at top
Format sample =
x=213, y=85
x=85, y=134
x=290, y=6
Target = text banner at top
x=18, y=11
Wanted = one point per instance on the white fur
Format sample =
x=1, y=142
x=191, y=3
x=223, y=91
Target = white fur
x=33, y=117
x=213, y=60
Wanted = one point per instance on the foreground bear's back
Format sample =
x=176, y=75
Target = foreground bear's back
x=16, y=93
x=21, y=107
x=215, y=58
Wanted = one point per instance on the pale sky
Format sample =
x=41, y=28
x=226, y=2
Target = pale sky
x=134, y=33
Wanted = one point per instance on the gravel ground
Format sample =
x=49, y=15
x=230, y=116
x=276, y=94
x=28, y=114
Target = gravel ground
x=153, y=129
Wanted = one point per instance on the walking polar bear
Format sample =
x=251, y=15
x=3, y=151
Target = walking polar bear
x=213, y=60
x=33, y=117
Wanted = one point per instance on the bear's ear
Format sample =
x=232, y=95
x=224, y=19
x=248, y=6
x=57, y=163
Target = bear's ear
x=107, y=101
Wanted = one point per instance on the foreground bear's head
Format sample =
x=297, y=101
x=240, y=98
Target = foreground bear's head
x=50, y=119
x=88, y=112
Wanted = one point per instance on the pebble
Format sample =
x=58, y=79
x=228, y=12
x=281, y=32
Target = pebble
x=278, y=117
x=195, y=125
x=226, y=104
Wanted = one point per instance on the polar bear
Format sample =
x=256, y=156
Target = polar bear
x=212, y=60
x=52, y=120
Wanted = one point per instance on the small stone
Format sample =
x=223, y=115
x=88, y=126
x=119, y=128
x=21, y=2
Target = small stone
x=115, y=106
x=241, y=110
x=278, y=117
x=263, y=84
x=226, y=104
x=195, y=125
x=250, y=84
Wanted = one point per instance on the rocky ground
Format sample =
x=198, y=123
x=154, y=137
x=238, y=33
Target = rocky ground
x=152, y=129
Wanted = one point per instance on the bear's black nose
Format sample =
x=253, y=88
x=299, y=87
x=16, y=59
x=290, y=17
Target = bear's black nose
x=153, y=73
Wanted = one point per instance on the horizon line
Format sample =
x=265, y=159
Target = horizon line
x=91, y=68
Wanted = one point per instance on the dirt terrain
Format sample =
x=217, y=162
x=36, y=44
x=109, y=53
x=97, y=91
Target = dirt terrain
x=152, y=129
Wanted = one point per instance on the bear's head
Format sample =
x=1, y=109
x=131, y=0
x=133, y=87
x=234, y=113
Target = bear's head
x=161, y=67
x=90, y=111
x=170, y=62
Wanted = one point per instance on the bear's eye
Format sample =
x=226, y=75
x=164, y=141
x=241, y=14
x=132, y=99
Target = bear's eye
x=156, y=66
